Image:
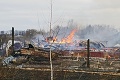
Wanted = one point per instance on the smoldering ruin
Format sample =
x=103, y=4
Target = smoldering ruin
x=68, y=49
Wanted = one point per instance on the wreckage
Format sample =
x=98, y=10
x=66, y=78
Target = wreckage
x=64, y=48
x=19, y=54
x=26, y=54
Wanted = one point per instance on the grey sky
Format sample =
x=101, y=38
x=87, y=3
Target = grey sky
x=24, y=14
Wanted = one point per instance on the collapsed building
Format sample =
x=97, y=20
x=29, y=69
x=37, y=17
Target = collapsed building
x=66, y=47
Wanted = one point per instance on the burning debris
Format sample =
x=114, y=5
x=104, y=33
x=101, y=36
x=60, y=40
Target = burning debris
x=65, y=49
x=40, y=49
x=69, y=38
x=67, y=55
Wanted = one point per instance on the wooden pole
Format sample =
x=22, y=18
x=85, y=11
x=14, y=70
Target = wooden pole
x=13, y=40
x=88, y=53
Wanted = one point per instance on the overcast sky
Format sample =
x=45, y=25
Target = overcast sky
x=35, y=14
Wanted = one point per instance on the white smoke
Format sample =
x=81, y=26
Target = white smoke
x=102, y=33
x=99, y=33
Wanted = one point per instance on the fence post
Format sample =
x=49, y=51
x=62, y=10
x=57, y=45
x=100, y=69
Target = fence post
x=88, y=53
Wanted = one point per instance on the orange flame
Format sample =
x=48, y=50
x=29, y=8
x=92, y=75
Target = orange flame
x=69, y=38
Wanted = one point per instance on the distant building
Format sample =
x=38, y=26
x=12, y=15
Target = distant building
x=21, y=33
x=16, y=32
x=1, y=32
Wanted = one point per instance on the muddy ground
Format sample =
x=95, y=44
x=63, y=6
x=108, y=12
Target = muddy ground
x=62, y=70
x=27, y=74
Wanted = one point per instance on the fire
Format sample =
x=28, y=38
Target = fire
x=69, y=38
x=51, y=39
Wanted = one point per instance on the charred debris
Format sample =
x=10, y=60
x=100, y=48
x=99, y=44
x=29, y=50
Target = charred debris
x=65, y=54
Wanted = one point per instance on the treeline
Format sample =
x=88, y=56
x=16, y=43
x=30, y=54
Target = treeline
x=22, y=35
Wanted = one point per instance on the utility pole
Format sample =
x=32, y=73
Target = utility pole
x=88, y=53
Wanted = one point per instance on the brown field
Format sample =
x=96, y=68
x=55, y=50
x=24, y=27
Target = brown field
x=42, y=74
